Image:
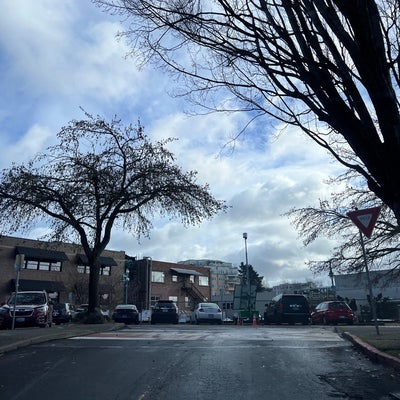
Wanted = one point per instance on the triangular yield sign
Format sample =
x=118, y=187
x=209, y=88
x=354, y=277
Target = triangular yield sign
x=365, y=219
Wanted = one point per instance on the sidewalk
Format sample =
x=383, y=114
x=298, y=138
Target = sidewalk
x=21, y=337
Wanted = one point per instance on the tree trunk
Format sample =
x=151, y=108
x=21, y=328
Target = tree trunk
x=94, y=287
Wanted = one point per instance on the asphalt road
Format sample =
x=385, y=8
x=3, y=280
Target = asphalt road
x=180, y=362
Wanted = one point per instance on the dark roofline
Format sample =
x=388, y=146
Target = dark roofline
x=104, y=261
x=39, y=254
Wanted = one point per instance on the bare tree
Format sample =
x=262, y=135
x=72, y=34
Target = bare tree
x=101, y=175
x=329, y=67
x=330, y=220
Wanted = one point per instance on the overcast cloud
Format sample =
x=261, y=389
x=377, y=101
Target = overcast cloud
x=57, y=56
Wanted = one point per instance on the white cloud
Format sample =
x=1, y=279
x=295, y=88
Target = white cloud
x=27, y=146
x=58, y=55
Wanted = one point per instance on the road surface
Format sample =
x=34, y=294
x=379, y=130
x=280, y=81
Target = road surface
x=181, y=362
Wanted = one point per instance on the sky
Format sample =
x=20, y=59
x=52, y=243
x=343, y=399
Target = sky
x=58, y=56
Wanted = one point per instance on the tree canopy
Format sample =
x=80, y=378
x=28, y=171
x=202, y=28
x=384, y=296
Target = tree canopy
x=101, y=175
x=255, y=278
x=329, y=67
x=330, y=220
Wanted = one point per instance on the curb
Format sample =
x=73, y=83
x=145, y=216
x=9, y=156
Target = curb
x=373, y=353
x=56, y=336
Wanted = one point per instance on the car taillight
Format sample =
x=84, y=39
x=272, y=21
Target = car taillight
x=134, y=311
x=219, y=310
x=201, y=309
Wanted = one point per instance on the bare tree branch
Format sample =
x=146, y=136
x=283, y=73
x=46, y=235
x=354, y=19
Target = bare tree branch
x=99, y=176
x=329, y=67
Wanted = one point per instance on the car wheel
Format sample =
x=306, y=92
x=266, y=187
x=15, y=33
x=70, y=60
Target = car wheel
x=324, y=321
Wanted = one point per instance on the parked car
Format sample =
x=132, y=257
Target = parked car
x=31, y=309
x=207, y=312
x=288, y=308
x=5, y=318
x=165, y=311
x=332, y=312
x=126, y=313
x=62, y=313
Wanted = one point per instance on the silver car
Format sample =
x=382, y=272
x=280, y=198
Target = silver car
x=207, y=312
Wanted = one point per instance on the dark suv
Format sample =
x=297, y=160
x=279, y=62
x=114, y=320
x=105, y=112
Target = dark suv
x=165, y=311
x=62, y=313
x=288, y=308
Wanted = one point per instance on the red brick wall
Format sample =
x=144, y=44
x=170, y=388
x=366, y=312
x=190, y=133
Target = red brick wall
x=68, y=275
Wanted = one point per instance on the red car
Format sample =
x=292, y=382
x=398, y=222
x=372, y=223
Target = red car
x=333, y=312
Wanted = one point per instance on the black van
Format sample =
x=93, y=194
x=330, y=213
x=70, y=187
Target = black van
x=287, y=308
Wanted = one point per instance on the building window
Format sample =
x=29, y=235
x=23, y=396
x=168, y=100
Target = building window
x=173, y=298
x=191, y=278
x=174, y=278
x=187, y=302
x=85, y=269
x=32, y=264
x=203, y=280
x=153, y=300
x=157, y=276
x=43, y=265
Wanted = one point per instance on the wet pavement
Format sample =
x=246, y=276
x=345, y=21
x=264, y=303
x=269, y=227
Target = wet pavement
x=21, y=337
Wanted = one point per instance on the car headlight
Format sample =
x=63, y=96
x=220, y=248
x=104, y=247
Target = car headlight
x=41, y=309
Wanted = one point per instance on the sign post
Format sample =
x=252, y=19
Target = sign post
x=365, y=221
x=19, y=263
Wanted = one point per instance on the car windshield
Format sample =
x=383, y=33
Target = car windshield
x=165, y=305
x=338, y=304
x=27, y=298
x=208, y=305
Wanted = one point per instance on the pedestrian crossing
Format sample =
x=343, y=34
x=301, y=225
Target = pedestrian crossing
x=293, y=335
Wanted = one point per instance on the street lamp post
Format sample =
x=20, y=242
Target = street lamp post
x=126, y=282
x=247, y=273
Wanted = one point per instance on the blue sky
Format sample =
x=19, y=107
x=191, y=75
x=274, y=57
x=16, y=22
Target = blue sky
x=59, y=55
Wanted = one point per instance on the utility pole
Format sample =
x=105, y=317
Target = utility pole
x=247, y=274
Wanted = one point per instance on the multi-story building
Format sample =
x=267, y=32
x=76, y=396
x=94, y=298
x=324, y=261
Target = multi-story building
x=152, y=280
x=224, y=276
x=62, y=270
x=59, y=268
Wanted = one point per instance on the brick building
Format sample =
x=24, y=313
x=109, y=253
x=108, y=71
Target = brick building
x=152, y=280
x=59, y=268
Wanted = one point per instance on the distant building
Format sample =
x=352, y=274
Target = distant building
x=355, y=286
x=224, y=276
x=60, y=269
x=151, y=280
x=292, y=288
